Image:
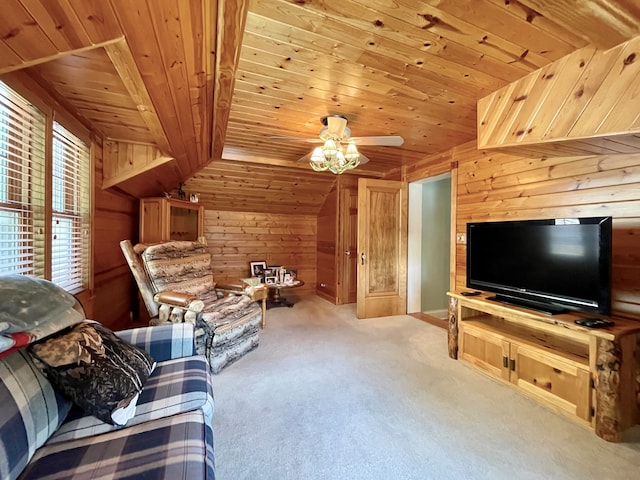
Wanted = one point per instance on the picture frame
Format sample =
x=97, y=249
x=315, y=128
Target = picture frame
x=257, y=268
x=270, y=280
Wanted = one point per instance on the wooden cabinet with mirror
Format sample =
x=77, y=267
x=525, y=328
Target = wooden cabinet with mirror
x=164, y=219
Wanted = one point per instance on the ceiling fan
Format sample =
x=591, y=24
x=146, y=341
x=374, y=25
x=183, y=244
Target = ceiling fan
x=332, y=156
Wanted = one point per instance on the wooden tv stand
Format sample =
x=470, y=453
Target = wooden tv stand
x=588, y=374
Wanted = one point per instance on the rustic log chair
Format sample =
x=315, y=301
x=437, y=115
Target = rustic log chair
x=176, y=284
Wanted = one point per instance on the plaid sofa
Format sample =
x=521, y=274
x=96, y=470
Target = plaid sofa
x=171, y=436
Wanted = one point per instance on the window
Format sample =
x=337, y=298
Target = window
x=70, y=222
x=44, y=219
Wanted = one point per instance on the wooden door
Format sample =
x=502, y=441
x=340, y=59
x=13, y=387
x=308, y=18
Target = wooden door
x=382, y=248
x=348, y=246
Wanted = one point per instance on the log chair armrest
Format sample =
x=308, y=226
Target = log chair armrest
x=179, y=299
x=228, y=286
x=240, y=288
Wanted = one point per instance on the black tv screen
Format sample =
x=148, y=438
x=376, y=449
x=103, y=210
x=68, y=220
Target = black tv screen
x=549, y=265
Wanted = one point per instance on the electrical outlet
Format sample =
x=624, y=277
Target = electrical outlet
x=461, y=238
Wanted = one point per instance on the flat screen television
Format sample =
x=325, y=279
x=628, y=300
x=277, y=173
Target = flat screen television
x=549, y=265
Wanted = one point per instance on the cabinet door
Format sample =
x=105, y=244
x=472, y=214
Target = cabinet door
x=486, y=350
x=558, y=381
x=184, y=223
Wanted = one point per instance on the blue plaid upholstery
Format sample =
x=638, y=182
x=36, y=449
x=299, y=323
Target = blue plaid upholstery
x=170, y=437
x=175, y=386
x=163, y=342
x=31, y=410
x=175, y=447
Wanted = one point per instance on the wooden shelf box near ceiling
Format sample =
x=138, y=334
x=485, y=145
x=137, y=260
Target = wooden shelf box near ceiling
x=163, y=219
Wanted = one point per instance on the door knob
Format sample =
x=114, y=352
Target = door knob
x=363, y=258
x=347, y=253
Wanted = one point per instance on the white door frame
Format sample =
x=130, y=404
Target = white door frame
x=414, y=242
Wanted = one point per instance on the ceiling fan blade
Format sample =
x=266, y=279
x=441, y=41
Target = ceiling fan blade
x=385, y=140
x=305, y=158
x=295, y=139
x=363, y=159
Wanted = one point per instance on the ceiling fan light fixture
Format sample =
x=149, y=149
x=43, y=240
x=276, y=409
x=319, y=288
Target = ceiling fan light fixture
x=352, y=153
x=330, y=148
x=317, y=161
x=331, y=157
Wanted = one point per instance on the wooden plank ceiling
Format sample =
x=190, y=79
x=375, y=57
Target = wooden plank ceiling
x=209, y=83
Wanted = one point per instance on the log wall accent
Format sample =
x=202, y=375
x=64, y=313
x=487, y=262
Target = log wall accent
x=567, y=106
x=237, y=238
x=452, y=328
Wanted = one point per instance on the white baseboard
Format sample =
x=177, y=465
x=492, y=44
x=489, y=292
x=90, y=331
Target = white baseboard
x=443, y=313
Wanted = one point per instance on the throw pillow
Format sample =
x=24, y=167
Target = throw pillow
x=34, y=307
x=98, y=371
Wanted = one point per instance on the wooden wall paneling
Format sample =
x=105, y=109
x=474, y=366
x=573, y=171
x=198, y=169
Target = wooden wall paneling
x=494, y=186
x=237, y=238
x=115, y=219
x=124, y=161
x=260, y=188
x=429, y=166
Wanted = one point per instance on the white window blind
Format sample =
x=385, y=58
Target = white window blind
x=70, y=206
x=22, y=185
x=45, y=195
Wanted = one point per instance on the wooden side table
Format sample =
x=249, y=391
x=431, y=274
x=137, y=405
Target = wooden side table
x=277, y=300
x=261, y=294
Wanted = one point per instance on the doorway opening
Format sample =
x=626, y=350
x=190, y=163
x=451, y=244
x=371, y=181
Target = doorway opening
x=429, y=246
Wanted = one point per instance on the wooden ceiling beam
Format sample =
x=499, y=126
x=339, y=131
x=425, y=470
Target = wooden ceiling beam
x=231, y=21
x=125, y=65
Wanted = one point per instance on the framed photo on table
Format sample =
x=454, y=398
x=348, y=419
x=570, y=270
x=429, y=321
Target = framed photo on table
x=257, y=268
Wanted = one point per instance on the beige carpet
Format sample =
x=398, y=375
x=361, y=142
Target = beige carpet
x=328, y=396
